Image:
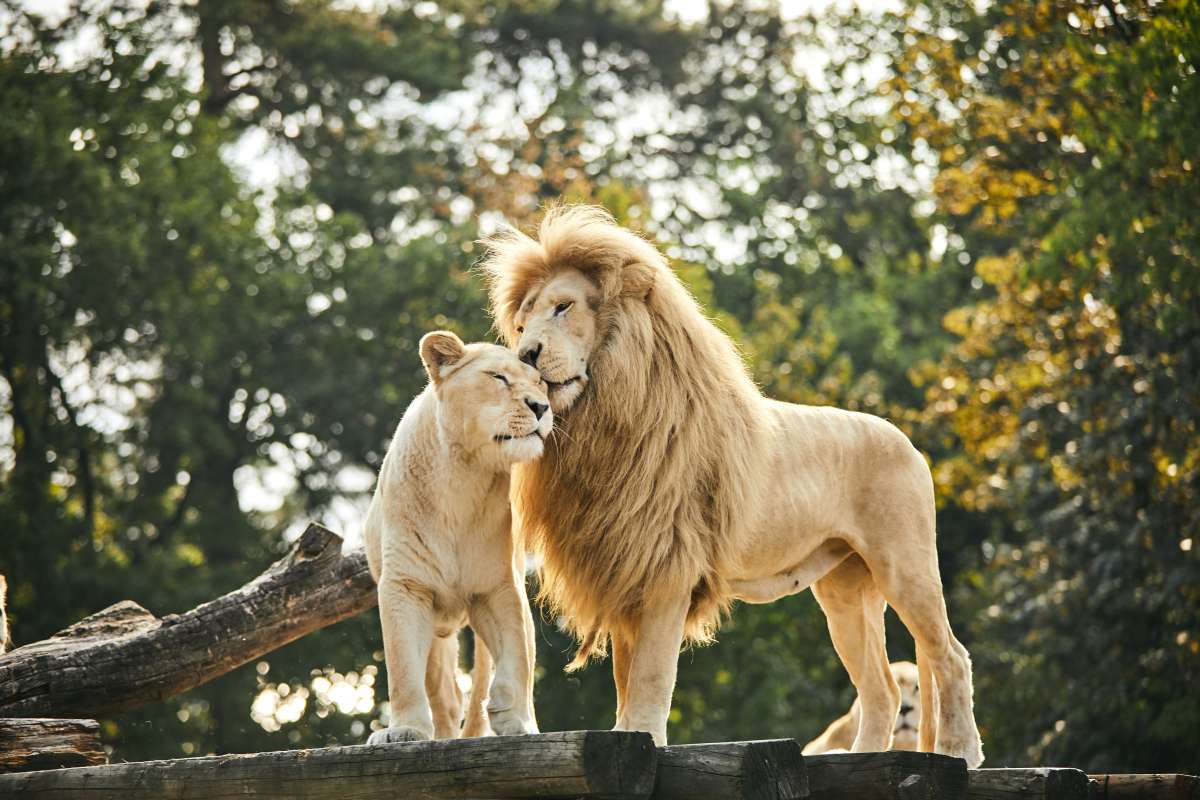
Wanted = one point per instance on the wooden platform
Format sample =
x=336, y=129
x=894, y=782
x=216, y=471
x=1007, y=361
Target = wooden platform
x=586, y=764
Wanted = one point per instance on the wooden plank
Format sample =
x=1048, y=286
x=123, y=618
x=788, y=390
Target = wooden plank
x=29, y=744
x=599, y=764
x=771, y=769
x=1045, y=783
x=1148, y=786
x=894, y=775
x=124, y=657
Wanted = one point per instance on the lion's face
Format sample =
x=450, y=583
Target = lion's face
x=908, y=722
x=557, y=330
x=489, y=403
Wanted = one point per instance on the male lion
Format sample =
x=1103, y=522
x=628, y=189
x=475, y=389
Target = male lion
x=675, y=487
x=841, y=732
x=440, y=546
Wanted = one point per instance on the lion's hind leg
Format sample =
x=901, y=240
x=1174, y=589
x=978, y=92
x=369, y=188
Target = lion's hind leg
x=914, y=588
x=854, y=608
x=441, y=684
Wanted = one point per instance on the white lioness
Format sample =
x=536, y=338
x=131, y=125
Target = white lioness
x=839, y=736
x=440, y=545
x=678, y=488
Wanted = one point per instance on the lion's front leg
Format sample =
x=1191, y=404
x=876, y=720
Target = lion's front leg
x=652, y=666
x=499, y=619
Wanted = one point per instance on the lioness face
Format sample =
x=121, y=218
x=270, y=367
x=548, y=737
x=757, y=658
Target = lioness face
x=557, y=329
x=489, y=402
x=908, y=722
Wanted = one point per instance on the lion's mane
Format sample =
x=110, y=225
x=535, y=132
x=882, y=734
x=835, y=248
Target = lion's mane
x=645, y=490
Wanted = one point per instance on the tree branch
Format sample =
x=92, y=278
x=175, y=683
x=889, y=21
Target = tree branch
x=124, y=657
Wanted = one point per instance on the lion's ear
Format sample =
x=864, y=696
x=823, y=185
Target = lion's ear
x=440, y=350
x=637, y=280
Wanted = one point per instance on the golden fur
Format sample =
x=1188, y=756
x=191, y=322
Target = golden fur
x=672, y=487
x=687, y=466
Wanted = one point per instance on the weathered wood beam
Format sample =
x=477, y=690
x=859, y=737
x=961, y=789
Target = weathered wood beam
x=124, y=657
x=601, y=764
x=772, y=769
x=1144, y=787
x=894, y=775
x=29, y=744
x=1045, y=783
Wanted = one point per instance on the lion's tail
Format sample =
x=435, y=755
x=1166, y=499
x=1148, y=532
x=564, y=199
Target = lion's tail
x=594, y=644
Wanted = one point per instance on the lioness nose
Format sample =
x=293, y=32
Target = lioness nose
x=537, y=408
x=530, y=354
x=905, y=708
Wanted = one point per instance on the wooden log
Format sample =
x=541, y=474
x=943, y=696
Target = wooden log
x=29, y=744
x=1149, y=786
x=1046, y=783
x=602, y=764
x=772, y=769
x=124, y=657
x=894, y=775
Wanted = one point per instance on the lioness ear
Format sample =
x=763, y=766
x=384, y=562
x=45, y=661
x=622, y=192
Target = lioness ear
x=439, y=351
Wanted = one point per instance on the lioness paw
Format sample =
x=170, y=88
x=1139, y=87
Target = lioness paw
x=388, y=735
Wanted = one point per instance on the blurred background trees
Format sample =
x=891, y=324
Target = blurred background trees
x=226, y=224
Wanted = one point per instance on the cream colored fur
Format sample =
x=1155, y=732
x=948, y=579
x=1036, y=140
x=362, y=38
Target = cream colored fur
x=839, y=736
x=673, y=488
x=440, y=544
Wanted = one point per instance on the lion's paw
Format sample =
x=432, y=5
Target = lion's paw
x=400, y=734
x=968, y=749
x=506, y=725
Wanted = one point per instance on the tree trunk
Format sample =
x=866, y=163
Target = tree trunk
x=124, y=657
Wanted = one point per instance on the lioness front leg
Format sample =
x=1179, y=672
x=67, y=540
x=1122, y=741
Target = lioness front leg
x=407, y=621
x=499, y=619
x=652, y=666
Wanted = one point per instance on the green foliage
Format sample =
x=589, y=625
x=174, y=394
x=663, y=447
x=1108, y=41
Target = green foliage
x=1072, y=392
x=977, y=221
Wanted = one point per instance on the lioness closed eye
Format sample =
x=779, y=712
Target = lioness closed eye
x=440, y=546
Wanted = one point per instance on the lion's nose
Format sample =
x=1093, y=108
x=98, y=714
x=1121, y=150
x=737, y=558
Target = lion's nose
x=530, y=354
x=537, y=408
x=905, y=708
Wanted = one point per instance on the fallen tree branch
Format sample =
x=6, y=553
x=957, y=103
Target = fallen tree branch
x=124, y=657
